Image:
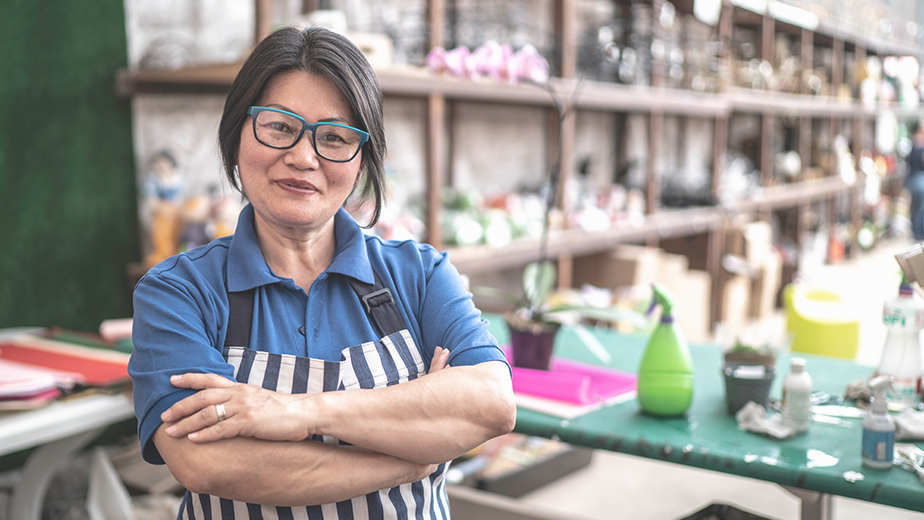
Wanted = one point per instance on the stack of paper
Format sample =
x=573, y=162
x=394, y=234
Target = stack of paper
x=94, y=366
x=24, y=386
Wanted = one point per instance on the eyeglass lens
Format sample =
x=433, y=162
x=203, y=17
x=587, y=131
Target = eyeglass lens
x=331, y=141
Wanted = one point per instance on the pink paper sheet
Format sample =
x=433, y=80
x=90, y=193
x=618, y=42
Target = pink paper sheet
x=573, y=382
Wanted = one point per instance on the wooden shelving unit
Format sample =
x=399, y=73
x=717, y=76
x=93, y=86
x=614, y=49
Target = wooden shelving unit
x=439, y=92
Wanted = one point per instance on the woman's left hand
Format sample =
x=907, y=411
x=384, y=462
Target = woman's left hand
x=249, y=411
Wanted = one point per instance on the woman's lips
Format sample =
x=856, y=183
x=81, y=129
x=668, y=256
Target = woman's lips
x=297, y=186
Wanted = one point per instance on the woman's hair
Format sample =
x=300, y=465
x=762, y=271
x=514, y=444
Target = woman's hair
x=316, y=51
x=916, y=127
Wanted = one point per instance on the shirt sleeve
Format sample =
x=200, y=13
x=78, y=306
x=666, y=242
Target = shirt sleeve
x=174, y=331
x=450, y=319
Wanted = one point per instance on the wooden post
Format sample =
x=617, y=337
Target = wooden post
x=565, y=27
x=716, y=240
x=436, y=12
x=262, y=20
x=436, y=137
x=655, y=136
x=565, y=19
x=767, y=34
x=859, y=127
x=309, y=6
x=726, y=28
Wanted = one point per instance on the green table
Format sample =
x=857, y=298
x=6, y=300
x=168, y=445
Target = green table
x=813, y=466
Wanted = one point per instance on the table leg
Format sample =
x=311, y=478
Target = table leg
x=815, y=505
x=28, y=495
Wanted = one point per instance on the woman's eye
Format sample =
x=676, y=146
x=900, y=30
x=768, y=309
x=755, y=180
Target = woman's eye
x=279, y=127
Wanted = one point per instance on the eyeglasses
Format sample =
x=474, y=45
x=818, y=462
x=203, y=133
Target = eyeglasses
x=280, y=129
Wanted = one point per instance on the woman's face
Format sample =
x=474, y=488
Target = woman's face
x=295, y=188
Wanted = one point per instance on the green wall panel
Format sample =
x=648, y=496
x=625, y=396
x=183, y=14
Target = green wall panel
x=68, y=215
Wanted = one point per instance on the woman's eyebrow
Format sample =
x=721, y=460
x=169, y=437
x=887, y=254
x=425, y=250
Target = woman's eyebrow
x=334, y=119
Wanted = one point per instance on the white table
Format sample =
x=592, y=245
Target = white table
x=58, y=430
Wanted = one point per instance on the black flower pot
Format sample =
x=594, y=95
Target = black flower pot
x=531, y=346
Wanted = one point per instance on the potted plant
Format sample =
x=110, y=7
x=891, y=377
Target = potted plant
x=539, y=313
x=755, y=344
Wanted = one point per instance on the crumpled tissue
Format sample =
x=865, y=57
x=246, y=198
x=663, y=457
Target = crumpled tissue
x=909, y=426
x=753, y=418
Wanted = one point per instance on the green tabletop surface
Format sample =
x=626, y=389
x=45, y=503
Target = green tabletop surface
x=826, y=459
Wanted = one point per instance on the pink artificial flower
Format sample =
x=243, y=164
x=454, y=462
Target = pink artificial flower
x=457, y=62
x=491, y=60
x=531, y=65
x=436, y=60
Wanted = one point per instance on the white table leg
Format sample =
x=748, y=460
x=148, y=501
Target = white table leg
x=815, y=505
x=28, y=496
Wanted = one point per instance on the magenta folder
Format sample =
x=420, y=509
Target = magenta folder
x=573, y=381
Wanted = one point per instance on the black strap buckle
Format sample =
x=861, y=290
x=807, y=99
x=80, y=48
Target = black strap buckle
x=366, y=297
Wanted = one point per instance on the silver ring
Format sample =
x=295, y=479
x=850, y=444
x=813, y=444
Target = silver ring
x=220, y=410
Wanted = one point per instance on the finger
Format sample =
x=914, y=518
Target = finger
x=440, y=358
x=204, y=426
x=221, y=429
x=198, y=381
x=195, y=403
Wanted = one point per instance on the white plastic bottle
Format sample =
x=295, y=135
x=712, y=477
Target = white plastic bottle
x=797, y=391
x=901, y=354
x=878, y=428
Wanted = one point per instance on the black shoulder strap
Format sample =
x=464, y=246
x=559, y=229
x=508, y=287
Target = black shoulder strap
x=380, y=305
x=240, y=317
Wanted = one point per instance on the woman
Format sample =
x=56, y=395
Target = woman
x=241, y=344
x=914, y=180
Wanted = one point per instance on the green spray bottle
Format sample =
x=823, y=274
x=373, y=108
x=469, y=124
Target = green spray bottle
x=665, y=376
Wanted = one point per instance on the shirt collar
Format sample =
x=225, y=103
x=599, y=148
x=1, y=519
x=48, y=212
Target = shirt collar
x=246, y=266
x=351, y=257
x=248, y=269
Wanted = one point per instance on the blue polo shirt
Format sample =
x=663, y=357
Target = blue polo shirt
x=181, y=310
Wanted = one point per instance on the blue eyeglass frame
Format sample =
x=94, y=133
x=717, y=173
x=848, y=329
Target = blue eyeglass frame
x=254, y=110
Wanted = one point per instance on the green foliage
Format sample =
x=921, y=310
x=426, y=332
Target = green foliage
x=533, y=305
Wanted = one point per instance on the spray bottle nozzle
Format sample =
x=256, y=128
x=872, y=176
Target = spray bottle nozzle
x=661, y=296
x=879, y=385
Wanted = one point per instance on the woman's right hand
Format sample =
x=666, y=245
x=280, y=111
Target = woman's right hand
x=440, y=360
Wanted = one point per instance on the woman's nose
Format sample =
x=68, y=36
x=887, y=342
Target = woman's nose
x=303, y=155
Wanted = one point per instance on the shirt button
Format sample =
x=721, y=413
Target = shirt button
x=301, y=330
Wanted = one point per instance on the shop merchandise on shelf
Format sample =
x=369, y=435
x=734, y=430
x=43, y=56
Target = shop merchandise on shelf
x=769, y=83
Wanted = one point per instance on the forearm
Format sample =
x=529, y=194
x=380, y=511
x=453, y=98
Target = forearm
x=428, y=420
x=282, y=473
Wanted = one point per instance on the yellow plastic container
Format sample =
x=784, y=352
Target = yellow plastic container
x=821, y=322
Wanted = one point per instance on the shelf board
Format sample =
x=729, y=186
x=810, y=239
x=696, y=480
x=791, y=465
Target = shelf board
x=204, y=79
x=664, y=224
x=745, y=100
x=787, y=195
x=587, y=95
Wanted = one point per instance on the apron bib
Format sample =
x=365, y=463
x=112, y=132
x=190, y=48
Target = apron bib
x=392, y=360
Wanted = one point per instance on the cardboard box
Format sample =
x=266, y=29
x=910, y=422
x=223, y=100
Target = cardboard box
x=630, y=266
x=736, y=295
x=692, y=292
x=764, y=288
x=624, y=266
x=758, y=242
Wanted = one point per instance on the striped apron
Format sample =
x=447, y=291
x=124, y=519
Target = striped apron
x=394, y=359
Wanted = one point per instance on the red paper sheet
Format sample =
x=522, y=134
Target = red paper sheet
x=98, y=367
